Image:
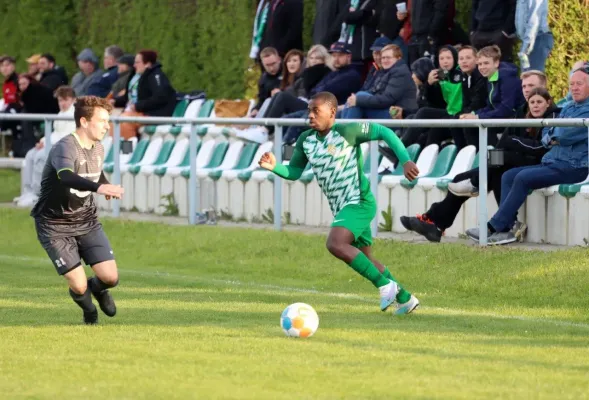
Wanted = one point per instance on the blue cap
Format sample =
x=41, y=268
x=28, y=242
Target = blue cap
x=340, y=47
x=380, y=42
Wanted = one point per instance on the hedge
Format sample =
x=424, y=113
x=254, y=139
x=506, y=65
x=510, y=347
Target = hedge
x=204, y=44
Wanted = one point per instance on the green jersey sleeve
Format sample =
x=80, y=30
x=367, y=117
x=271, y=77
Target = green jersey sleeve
x=298, y=161
x=357, y=133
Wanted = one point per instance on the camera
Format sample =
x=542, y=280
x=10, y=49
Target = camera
x=443, y=75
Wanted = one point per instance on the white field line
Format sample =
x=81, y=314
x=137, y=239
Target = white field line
x=275, y=289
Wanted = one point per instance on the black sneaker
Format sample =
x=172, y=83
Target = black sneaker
x=91, y=317
x=424, y=226
x=106, y=302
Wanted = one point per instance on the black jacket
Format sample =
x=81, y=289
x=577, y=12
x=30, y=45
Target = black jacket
x=388, y=24
x=365, y=21
x=433, y=93
x=155, y=95
x=430, y=18
x=493, y=15
x=284, y=27
x=474, y=92
x=309, y=78
x=54, y=78
x=392, y=87
x=266, y=84
x=38, y=99
x=523, y=146
x=329, y=15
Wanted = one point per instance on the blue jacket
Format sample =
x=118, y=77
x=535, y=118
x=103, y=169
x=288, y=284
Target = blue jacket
x=392, y=87
x=101, y=87
x=341, y=83
x=571, y=147
x=531, y=20
x=505, y=95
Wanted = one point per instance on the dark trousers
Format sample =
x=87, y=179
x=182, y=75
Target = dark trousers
x=470, y=136
x=483, y=39
x=434, y=135
x=444, y=212
x=284, y=103
x=420, y=47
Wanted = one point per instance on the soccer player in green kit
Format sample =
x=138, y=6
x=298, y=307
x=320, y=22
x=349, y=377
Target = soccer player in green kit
x=336, y=158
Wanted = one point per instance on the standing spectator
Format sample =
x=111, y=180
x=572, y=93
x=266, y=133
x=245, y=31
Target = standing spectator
x=389, y=25
x=155, y=95
x=284, y=27
x=88, y=74
x=393, y=87
x=329, y=15
x=493, y=23
x=358, y=30
x=125, y=72
x=270, y=79
x=52, y=75
x=430, y=26
x=102, y=86
x=531, y=23
x=33, y=66
x=10, y=93
x=260, y=21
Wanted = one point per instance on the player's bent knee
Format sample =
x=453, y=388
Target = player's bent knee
x=78, y=288
x=335, y=248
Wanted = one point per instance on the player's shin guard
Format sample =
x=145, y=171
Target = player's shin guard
x=362, y=265
x=84, y=300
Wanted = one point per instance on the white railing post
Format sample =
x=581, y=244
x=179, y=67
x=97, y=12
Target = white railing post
x=47, y=134
x=483, y=185
x=116, y=177
x=374, y=182
x=192, y=182
x=277, y=179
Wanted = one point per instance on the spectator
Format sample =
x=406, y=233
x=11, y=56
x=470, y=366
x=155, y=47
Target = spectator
x=493, y=23
x=376, y=48
x=345, y=80
x=102, y=86
x=521, y=147
x=474, y=85
x=10, y=93
x=564, y=163
x=33, y=66
x=431, y=21
x=35, y=158
x=88, y=74
x=329, y=15
x=149, y=95
x=531, y=23
x=389, y=24
x=52, y=75
x=358, y=29
x=291, y=70
x=393, y=87
x=504, y=96
x=284, y=27
x=270, y=79
x=125, y=72
x=260, y=21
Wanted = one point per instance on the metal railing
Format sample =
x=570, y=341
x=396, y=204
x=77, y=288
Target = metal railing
x=279, y=123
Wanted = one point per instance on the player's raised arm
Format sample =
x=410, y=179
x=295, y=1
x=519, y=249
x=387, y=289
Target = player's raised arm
x=293, y=170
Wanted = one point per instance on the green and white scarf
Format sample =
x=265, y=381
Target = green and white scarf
x=347, y=32
x=259, y=27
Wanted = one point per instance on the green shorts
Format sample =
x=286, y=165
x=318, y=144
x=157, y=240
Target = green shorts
x=357, y=219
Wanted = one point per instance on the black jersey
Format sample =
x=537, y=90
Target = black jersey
x=63, y=211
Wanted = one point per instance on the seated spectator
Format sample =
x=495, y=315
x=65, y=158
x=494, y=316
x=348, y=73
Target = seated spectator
x=531, y=24
x=88, y=74
x=35, y=99
x=521, y=147
x=376, y=67
x=36, y=157
x=52, y=75
x=125, y=72
x=292, y=69
x=270, y=79
x=149, y=93
x=393, y=87
x=504, y=97
x=33, y=66
x=10, y=94
x=101, y=87
x=564, y=163
x=493, y=24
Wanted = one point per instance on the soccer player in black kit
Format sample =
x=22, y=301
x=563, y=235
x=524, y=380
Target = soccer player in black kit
x=66, y=217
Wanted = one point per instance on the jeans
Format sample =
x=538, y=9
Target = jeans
x=517, y=182
x=542, y=48
x=365, y=113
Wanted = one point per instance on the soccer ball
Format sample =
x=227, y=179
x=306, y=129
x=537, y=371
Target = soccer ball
x=299, y=320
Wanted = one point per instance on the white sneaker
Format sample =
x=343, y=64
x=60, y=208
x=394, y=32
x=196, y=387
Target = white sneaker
x=27, y=201
x=388, y=294
x=463, y=189
x=408, y=307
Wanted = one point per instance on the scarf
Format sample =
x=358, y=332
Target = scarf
x=259, y=27
x=347, y=32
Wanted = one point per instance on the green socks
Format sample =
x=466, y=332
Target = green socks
x=362, y=265
x=403, y=296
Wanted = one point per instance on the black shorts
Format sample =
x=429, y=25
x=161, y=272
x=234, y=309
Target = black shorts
x=67, y=253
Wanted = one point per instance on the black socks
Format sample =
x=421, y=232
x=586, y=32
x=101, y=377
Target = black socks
x=83, y=300
x=97, y=286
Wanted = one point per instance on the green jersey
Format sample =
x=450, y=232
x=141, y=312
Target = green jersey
x=337, y=162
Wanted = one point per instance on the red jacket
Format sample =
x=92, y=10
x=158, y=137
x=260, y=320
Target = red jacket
x=10, y=89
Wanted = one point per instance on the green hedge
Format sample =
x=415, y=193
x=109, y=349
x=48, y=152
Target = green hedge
x=204, y=44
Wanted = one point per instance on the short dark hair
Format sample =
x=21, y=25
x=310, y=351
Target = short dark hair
x=49, y=57
x=327, y=98
x=467, y=47
x=268, y=51
x=84, y=107
x=148, y=56
x=65, y=92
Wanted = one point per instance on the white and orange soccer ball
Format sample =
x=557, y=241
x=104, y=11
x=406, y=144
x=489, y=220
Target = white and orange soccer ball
x=299, y=320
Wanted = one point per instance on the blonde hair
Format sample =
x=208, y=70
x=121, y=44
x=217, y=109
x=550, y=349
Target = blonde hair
x=322, y=52
x=541, y=75
x=493, y=52
x=397, y=52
